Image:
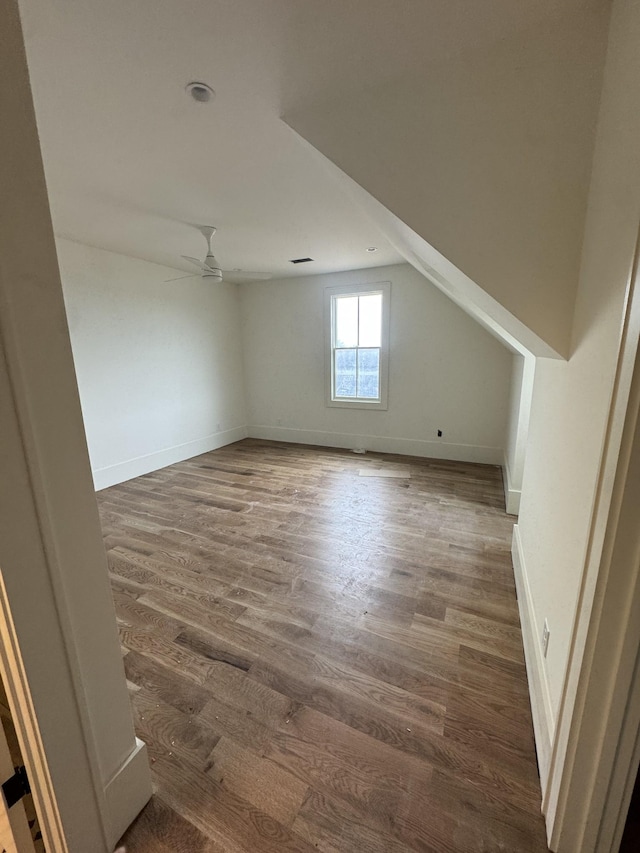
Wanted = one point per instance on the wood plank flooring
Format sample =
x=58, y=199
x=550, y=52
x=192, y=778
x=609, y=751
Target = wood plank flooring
x=324, y=661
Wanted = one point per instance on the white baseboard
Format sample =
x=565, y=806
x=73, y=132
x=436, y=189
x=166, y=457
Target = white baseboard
x=121, y=471
x=128, y=792
x=541, y=709
x=511, y=494
x=381, y=444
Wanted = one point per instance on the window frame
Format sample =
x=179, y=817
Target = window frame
x=330, y=296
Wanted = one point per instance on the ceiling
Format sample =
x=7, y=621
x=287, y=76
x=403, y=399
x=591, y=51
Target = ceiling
x=132, y=162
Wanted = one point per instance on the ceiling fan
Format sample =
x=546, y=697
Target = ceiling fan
x=209, y=268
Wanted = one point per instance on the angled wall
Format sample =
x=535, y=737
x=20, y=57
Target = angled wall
x=487, y=159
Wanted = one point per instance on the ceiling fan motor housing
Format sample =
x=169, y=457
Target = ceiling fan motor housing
x=212, y=269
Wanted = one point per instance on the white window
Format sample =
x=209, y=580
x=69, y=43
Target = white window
x=357, y=325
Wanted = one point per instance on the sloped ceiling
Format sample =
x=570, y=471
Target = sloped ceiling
x=131, y=161
x=487, y=158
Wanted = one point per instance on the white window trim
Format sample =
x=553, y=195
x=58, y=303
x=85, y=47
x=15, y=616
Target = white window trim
x=330, y=293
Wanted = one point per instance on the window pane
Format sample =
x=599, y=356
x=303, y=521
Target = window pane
x=370, y=320
x=347, y=321
x=369, y=373
x=345, y=373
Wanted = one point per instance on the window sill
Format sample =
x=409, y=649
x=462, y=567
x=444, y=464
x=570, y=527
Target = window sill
x=374, y=405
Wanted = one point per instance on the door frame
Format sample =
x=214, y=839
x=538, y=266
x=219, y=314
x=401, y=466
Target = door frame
x=13, y=676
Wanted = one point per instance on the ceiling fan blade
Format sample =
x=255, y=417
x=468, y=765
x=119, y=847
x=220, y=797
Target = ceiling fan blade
x=195, y=261
x=180, y=278
x=244, y=275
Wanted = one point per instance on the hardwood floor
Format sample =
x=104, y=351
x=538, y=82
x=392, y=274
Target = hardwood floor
x=323, y=661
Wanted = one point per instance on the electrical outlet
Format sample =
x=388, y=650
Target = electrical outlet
x=545, y=638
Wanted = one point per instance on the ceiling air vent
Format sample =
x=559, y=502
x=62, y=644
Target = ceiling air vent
x=300, y=260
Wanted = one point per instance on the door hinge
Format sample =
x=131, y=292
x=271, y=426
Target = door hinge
x=16, y=787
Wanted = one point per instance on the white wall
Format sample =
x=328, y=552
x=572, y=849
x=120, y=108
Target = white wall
x=159, y=365
x=446, y=372
x=515, y=451
x=487, y=157
x=571, y=400
x=515, y=394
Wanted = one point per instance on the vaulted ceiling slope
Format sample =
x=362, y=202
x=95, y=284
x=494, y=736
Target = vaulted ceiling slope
x=486, y=156
x=472, y=122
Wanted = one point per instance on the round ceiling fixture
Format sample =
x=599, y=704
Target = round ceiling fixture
x=372, y=249
x=200, y=92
